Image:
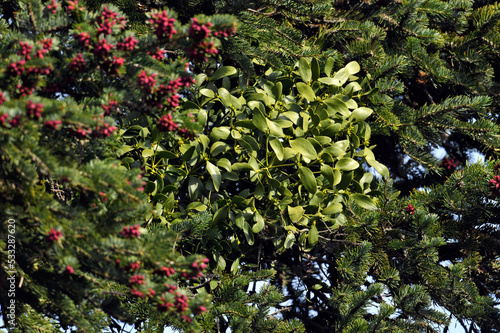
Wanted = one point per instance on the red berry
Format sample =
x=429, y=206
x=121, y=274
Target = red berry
x=54, y=235
x=69, y=270
x=166, y=123
x=410, y=209
x=163, y=25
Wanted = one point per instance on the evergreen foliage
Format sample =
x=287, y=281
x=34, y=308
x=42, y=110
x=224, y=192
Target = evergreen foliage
x=73, y=215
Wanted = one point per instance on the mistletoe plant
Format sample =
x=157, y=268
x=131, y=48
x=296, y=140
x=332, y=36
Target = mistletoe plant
x=279, y=160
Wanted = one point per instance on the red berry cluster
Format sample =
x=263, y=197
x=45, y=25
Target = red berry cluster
x=46, y=47
x=128, y=45
x=166, y=123
x=77, y=64
x=110, y=107
x=52, y=124
x=53, y=7
x=410, y=209
x=25, y=50
x=112, y=66
x=195, y=269
x=2, y=98
x=80, y=132
x=202, y=48
x=137, y=280
x=104, y=131
x=164, y=96
x=225, y=32
x=51, y=88
x=136, y=293
x=495, y=185
x=173, y=301
x=108, y=20
x=133, y=266
x=103, y=48
x=34, y=110
x=143, y=183
x=164, y=271
x=14, y=122
x=448, y=163
x=131, y=232
x=159, y=54
x=54, y=235
x=200, y=52
x=47, y=43
x=83, y=39
x=170, y=92
x=73, y=7
x=3, y=118
x=185, y=133
x=163, y=25
x=16, y=68
x=30, y=75
x=199, y=31
x=147, y=83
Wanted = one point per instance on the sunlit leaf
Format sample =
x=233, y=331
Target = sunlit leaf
x=347, y=164
x=312, y=237
x=364, y=201
x=215, y=174
x=308, y=180
x=306, y=91
x=305, y=70
x=304, y=147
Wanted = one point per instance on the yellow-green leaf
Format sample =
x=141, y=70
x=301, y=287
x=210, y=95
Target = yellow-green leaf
x=259, y=120
x=342, y=75
x=361, y=113
x=274, y=129
x=314, y=69
x=364, y=201
x=306, y=91
x=222, y=72
x=335, y=105
x=347, y=164
x=327, y=172
x=259, y=223
x=277, y=148
x=219, y=133
x=330, y=62
x=220, y=215
x=197, y=206
x=148, y=152
x=304, y=147
x=247, y=231
x=312, y=238
x=290, y=239
x=215, y=174
x=235, y=265
x=207, y=92
x=334, y=208
x=305, y=70
x=277, y=90
x=307, y=179
x=295, y=213
x=353, y=67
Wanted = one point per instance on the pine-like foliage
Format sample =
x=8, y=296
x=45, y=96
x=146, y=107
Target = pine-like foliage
x=245, y=303
x=74, y=238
